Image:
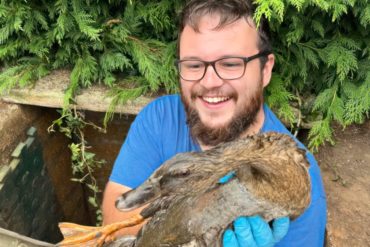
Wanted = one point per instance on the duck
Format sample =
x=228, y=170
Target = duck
x=193, y=197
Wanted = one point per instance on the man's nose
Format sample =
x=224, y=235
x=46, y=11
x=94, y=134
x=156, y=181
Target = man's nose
x=211, y=79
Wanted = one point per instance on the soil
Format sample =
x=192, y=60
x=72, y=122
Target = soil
x=346, y=174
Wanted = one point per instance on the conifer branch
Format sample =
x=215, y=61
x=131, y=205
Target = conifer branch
x=318, y=44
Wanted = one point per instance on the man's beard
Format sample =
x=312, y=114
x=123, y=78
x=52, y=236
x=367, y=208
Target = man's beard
x=240, y=122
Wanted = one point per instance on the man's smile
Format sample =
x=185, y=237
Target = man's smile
x=215, y=100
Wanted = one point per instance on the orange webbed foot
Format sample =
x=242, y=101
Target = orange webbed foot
x=79, y=235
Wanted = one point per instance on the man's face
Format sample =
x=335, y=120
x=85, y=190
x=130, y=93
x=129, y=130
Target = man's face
x=215, y=104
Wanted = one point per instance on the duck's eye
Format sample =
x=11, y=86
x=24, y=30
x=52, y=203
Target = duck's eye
x=174, y=178
x=178, y=172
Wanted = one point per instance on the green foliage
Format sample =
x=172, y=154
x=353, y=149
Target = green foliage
x=322, y=49
x=121, y=95
x=100, y=41
x=72, y=124
x=278, y=98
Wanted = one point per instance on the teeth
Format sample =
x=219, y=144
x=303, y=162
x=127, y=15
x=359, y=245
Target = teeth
x=215, y=99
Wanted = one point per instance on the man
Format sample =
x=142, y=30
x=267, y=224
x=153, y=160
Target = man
x=224, y=64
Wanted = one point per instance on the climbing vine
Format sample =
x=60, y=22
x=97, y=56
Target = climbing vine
x=71, y=124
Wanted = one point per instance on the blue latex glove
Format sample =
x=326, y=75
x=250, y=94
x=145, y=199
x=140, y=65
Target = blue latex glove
x=253, y=231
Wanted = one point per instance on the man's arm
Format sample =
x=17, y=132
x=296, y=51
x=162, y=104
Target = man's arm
x=111, y=214
x=139, y=156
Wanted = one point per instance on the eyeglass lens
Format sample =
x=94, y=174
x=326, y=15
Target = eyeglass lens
x=226, y=68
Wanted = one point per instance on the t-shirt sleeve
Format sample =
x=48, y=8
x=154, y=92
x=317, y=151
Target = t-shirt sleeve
x=140, y=154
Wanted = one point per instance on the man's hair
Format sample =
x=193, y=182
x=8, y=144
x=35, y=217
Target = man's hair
x=229, y=11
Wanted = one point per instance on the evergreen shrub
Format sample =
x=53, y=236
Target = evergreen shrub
x=322, y=47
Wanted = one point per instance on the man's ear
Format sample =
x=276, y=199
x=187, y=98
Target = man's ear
x=267, y=70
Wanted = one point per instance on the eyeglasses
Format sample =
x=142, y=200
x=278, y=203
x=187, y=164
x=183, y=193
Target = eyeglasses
x=227, y=68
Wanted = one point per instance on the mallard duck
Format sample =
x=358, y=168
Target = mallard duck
x=190, y=206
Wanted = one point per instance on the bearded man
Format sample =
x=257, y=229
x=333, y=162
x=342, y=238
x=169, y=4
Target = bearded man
x=224, y=64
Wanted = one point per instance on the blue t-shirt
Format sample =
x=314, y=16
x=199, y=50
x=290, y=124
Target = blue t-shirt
x=160, y=131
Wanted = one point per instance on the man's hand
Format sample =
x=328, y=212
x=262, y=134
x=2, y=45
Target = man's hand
x=253, y=231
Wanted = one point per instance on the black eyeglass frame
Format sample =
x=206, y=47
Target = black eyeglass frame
x=212, y=63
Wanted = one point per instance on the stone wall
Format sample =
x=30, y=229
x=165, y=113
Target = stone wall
x=70, y=198
x=28, y=203
x=35, y=187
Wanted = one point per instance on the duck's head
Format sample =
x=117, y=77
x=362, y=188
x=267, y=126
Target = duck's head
x=184, y=173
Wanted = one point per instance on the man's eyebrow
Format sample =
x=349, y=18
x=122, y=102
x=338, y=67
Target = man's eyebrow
x=191, y=58
x=198, y=58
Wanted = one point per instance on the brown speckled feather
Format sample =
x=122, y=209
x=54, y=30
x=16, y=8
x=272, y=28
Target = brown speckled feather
x=189, y=207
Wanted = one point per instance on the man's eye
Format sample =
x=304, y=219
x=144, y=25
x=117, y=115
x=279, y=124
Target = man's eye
x=193, y=66
x=231, y=64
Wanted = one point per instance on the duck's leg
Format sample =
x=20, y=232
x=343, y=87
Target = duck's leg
x=78, y=235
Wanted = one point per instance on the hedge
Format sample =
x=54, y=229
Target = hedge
x=322, y=49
